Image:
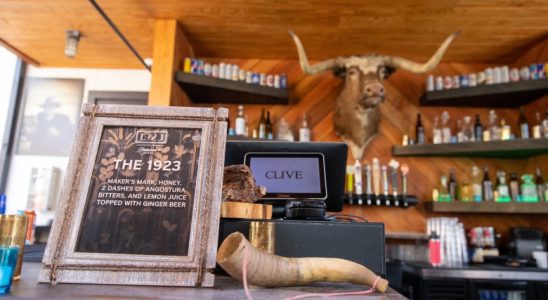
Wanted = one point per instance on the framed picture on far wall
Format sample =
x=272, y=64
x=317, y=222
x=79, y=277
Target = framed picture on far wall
x=50, y=113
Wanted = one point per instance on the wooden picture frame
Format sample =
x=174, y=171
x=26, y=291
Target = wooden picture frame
x=141, y=199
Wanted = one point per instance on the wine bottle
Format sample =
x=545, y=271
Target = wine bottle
x=452, y=185
x=478, y=129
x=487, y=186
x=261, y=127
x=240, y=121
x=419, y=131
x=523, y=125
x=540, y=184
x=268, y=127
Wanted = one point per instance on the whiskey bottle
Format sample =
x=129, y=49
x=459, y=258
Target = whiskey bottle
x=476, y=184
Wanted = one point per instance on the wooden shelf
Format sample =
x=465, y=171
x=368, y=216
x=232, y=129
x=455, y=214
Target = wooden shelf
x=513, y=94
x=204, y=89
x=489, y=207
x=394, y=235
x=500, y=149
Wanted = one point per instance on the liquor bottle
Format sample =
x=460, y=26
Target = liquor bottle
x=445, y=128
x=436, y=132
x=503, y=192
x=460, y=132
x=494, y=130
x=240, y=121
x=505, y=130
x=487, y=186
x=478, y=129
x=537, y=128
x=468, y=129
x=268, y=127
x=514, y=187
x=528, y=189
x=304, y=130
x=419, y=131
x=261, y=127
x=476, y=184
x=444, y=192
x=523, y=125
x=540, y=185
x=452, y=185
x=465, y=191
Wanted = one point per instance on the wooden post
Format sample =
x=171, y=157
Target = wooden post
x=170, y=48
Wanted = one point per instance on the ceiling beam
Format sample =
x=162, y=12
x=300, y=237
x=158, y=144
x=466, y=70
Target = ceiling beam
x=29, y=60
x=171, y=46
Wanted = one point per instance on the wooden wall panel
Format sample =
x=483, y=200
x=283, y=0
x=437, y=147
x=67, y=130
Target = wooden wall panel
x=317, y=96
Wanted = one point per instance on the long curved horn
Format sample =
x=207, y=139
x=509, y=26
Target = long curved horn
x=270, y=270
x=402, y=63
x=303, y=59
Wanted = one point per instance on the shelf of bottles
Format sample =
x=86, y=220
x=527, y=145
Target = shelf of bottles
x=528, y=195
x=264, y=130
x=380, y=183
x=488, y=207
x=500, y=86
x=472, y=139
x=225, y=83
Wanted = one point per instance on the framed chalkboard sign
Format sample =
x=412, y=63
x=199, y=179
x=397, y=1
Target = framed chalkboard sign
x=141, y=200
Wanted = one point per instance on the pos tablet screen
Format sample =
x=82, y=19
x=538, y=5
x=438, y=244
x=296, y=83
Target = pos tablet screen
x=289, y=175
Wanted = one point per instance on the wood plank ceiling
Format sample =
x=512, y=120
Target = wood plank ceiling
x=494, y=31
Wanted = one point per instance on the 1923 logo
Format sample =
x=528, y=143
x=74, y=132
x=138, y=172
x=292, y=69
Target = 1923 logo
x=151, y=136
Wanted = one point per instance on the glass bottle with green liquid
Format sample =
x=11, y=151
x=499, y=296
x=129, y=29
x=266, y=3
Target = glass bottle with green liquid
x=444, y=195
x=528, y=189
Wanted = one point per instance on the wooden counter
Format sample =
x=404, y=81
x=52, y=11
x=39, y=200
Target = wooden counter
x=225, y=288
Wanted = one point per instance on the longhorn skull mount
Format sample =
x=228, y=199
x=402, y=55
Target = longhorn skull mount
x=357, y=116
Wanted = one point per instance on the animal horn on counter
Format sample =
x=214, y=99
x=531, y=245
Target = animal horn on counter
x=269, y=270
x=405, y=64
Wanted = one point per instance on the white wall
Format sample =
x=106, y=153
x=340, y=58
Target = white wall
x=95, y=80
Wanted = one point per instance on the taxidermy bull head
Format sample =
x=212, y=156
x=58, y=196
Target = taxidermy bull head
x=357, y=114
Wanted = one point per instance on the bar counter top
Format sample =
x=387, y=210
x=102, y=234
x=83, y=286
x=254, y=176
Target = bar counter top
x=225, y=288
x=480, y=271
